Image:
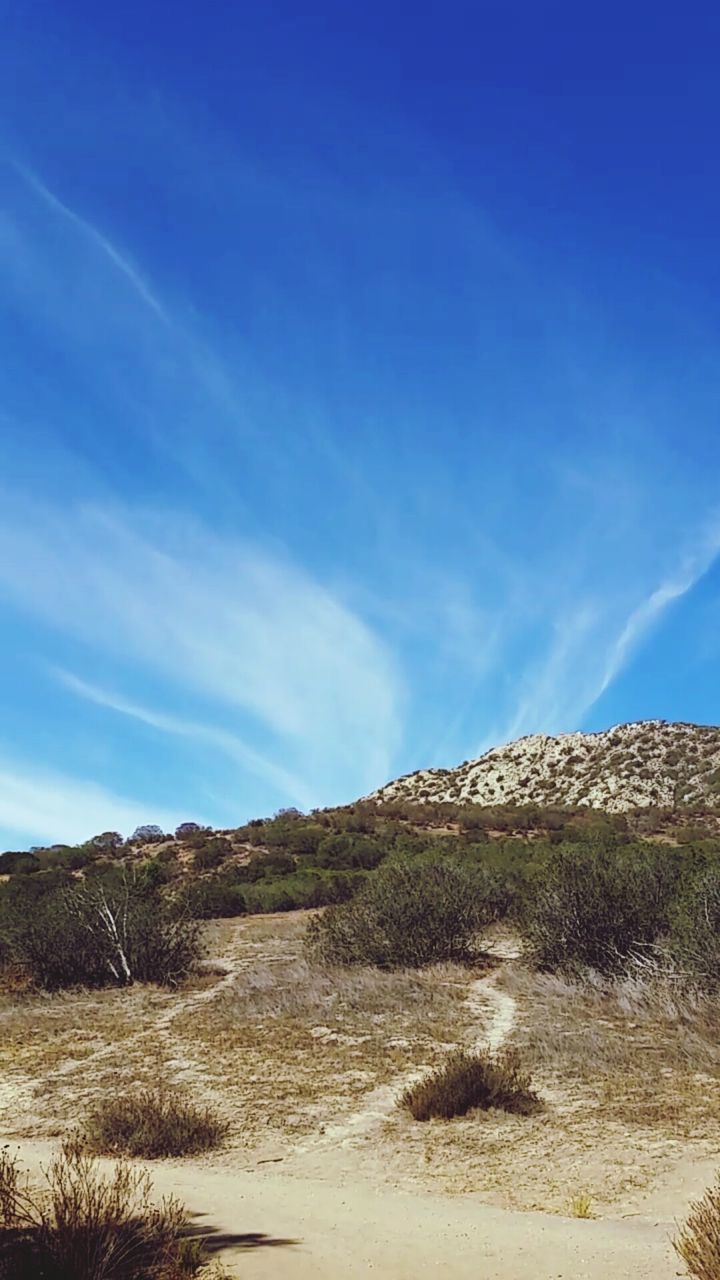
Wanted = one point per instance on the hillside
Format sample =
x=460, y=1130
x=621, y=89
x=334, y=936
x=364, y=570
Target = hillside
x=650, y=763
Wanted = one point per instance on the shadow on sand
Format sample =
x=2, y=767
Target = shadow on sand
x=214, y=1240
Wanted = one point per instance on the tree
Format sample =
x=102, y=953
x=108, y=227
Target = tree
x=188, y=829
x=147, y=834
x=107, y=841
x=101, y=932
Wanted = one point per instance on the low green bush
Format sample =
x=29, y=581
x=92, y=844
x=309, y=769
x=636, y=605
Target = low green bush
x=301, y=891
x=595, y=904
x=215, y=898
x=469, y=1081
x=406, y=914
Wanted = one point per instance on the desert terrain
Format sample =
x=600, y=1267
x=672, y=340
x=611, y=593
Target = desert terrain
x=322, y=1174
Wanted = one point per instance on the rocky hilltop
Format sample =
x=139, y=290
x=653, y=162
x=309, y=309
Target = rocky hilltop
x=652, y=762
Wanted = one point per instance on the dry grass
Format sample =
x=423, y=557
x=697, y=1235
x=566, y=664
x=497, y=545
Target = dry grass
x=644, y=1049
x=296, y=1046
x=292, y=1057
x=277, y=1051
x=698, y=1241
x=86, y=1224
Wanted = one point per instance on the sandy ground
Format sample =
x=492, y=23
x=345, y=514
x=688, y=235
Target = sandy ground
x=284, y=1226
x=347, y=1185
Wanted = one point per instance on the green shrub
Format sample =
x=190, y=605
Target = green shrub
x=209, y=853
x=83, y=1224
x=695, y=925
x=593, y=905
x=151, y=1123
x=263, y=866
x=100, y=933
x=13, y=863
x=300, y=891
x=468, y=1081
x=348, y=851
x=216, y=899
x=406, y=914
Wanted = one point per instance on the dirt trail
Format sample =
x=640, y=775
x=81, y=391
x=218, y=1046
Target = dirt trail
x=313, y=1230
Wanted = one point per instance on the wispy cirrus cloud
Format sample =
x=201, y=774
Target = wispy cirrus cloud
x=87, y=229
x=500, y=565
x=45, y=805
x=696, y=563
x=265, y=647
x=228, y=744
x=592, y=639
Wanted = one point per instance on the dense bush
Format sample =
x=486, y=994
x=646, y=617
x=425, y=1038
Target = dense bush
x=209, y=852
x=215, y=898
x=99, y=934
x=302, y=890
x=18, y=862
x=466, y=1081
x=593, y=905
x=406, y=914
x=695, y=925
x=349, y=851
x=83, y=1224
x=151, y=1123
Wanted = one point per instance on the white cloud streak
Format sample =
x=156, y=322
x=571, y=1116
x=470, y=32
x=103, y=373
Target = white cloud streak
x=264, y=644
x=227, y=743
x=694, y=567
x=38, y=805
x=593, y=642
x=118, y=260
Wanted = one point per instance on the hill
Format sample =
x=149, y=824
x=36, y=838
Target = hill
x=648, y=764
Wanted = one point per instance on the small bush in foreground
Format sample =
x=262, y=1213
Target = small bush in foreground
x=152, y=1123
x=406, y=915
x=467, y=1081
x=698, y=1242
x=81, y=1224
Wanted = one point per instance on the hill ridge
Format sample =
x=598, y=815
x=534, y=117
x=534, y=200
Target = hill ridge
x=638, y=764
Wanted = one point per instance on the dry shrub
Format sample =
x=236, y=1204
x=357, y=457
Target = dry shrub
x=466, y=1081
x=698, y=1242
x=81, y=1224
x=152, y=1123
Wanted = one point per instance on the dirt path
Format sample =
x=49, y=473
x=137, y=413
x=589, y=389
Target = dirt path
x=291, y=1229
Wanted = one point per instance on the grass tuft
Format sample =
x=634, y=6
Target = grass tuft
x=469, y=1081
x=580, y=1205
x=151, y=1123
x=698, y=1242
x=83, y=1224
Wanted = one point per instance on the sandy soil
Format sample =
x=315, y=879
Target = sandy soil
x=282, y=1226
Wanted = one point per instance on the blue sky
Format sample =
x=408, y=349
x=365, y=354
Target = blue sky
x=359, y=395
